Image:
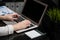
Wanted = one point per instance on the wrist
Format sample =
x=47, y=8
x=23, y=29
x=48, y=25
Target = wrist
x=14, y=27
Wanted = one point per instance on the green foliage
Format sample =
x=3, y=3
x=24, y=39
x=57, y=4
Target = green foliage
x=54, y=14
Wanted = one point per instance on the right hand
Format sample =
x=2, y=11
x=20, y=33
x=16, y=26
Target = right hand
x=21, y=25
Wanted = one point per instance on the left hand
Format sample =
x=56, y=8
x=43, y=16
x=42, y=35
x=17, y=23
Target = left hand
x=11, y=17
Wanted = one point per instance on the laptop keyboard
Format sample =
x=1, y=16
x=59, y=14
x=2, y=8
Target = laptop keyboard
x=21, y=19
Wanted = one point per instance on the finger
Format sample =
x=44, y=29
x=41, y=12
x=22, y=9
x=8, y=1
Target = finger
x=27, y=22
x=16, y=15
x=15, y=18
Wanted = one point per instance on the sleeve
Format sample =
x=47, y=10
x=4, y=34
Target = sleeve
x=8, y=29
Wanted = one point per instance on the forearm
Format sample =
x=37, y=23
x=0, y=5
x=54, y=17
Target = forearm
x=2, y=17
x=6, y=30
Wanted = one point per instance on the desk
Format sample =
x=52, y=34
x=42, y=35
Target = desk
x=21, y=36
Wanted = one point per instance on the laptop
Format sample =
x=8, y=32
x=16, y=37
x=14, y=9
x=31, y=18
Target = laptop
x=34, y=11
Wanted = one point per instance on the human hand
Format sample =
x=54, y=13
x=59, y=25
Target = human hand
x=11, y=17
x=21, y=25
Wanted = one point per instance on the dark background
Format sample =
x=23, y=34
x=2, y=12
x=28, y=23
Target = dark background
x=11, y=0
x=45, y=27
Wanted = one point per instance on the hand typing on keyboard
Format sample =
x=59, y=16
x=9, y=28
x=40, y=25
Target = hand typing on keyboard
x=21, y=25
x=10, y=17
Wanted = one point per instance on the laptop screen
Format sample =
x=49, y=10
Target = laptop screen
x=33, y=10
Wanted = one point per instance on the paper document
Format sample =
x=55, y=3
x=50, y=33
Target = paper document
x=5, y=10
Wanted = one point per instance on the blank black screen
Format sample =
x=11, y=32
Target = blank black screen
x=33, y=10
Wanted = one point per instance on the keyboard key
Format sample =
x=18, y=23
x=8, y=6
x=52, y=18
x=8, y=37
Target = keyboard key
x=19, y=19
